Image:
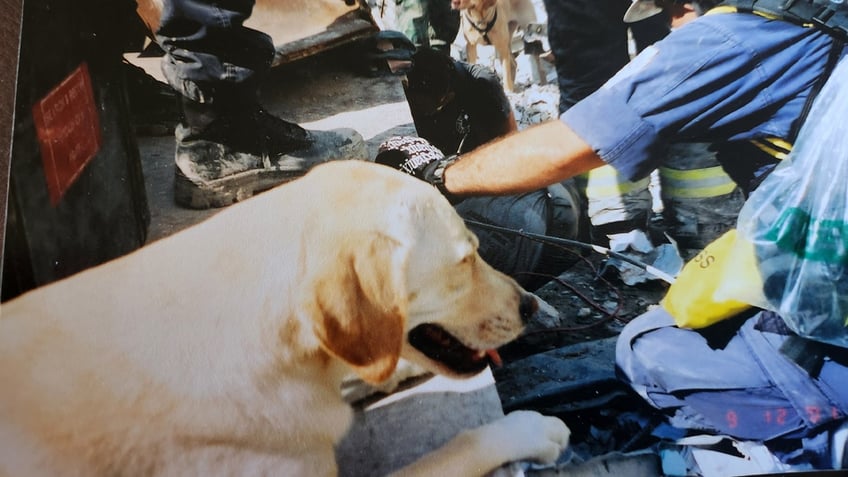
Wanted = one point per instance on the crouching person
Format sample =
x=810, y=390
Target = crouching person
x=501, y=223
x=457, y=107
x=738, y=378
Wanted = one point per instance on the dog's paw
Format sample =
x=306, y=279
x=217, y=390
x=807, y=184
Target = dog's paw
x=527, y=435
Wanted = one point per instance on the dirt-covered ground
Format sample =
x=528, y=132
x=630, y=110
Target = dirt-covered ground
x=590, y=306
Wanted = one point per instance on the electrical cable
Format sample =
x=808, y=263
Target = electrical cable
x=656, y=272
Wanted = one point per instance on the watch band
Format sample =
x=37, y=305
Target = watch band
x=438, y=175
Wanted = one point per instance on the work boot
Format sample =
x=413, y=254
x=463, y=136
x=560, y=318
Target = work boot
x=224, y=156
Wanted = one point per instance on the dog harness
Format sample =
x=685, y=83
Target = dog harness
x=486, y=29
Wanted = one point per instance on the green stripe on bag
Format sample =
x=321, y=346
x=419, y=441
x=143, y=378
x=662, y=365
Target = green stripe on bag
x=818, y=240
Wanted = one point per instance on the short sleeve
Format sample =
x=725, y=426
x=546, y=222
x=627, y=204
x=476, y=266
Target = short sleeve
x=704, y=82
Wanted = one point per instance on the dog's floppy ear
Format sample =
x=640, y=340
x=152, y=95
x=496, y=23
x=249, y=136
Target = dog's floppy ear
x=488, y=3
x=362, y=306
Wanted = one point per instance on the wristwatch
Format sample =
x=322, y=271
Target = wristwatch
x=437, y=176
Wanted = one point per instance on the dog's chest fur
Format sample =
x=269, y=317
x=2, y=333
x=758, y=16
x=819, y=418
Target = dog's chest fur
x=287, y=432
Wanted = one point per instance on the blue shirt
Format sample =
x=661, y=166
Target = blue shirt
x=721, y=77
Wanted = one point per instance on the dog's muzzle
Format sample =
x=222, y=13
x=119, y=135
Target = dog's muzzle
x=527, y=307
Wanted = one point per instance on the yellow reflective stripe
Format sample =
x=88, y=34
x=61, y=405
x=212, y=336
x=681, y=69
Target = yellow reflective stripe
x=602, y=192
x=783, y=144
x=698, y=192
x=721, y=9
x=695, y=183
x=774, y=147
x=605, y=182
x=767, y=15
x=693, y=174
x=602, y=173
x=729, y=9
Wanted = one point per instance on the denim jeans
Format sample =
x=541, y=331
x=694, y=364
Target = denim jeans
x=589, y=41
x=209, y=52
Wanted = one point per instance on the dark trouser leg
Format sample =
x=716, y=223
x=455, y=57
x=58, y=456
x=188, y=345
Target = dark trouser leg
x=589, y=41
x=209, y=52
x=228, y=148
x=216, y=63
x=444, y=24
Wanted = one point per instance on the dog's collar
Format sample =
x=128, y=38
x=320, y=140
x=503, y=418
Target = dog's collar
x=486, y=29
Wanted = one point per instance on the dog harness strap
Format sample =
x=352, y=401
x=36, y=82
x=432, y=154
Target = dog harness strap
x=485, y=30
x=439, y=173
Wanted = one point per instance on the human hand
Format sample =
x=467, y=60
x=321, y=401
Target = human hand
x=408, y=154
x=416, y=157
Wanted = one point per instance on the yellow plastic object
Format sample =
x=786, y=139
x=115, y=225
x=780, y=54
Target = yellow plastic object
x=718, y=283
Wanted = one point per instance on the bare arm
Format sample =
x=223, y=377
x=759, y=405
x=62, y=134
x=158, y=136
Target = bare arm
x=522, y=162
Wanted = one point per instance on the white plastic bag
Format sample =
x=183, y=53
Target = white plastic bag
x=797, y=220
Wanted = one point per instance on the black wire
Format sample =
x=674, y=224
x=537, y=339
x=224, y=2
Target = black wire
x=547, y=239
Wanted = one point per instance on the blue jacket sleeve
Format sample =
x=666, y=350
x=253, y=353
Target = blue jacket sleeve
x=721, y=77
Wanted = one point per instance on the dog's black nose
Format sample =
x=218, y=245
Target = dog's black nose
x=527, y=308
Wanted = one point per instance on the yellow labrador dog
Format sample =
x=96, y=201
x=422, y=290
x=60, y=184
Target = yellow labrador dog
x=220, y=350
x=493, y=22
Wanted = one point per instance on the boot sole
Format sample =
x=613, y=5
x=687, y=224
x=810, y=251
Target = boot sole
x=228, y=190
x=196, y=194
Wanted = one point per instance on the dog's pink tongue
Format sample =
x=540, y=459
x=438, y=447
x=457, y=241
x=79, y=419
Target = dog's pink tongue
x=494, y=357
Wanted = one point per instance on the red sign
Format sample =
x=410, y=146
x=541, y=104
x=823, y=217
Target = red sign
x=68, y=129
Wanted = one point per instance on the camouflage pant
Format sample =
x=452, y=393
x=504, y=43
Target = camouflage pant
x=428, y=23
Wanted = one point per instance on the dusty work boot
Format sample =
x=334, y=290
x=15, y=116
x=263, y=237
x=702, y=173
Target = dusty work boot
x=224, y=156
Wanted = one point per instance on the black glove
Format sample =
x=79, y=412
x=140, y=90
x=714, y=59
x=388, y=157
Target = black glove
x=417, y=157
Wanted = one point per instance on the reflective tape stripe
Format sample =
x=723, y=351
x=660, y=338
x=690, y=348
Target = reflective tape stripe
x=721, y=9
x=770, y=16
x=693, y=174
x=695, y=183
x=605, y=182
x=774, y=147
x=699, y=193
x=729, y=9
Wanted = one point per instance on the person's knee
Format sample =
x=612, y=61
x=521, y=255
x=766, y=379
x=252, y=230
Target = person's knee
x=646, y=322
x=639, y=331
